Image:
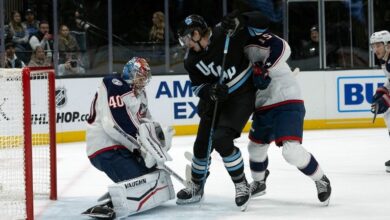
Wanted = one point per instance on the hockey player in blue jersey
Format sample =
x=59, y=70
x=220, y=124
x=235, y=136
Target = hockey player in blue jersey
x=380, y=44
x=279, y=113
x=126, y=144
x=235, y=97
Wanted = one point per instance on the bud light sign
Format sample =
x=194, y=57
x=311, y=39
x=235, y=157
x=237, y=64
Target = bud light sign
x=354, y=94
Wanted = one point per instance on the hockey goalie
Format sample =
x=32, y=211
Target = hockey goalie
x=127, y=145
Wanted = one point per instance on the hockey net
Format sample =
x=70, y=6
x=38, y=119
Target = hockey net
x=27, y=140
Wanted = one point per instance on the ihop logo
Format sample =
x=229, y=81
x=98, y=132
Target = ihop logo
x=354, y=94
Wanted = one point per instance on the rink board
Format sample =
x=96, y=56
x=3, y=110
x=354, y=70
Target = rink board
x=333, y=99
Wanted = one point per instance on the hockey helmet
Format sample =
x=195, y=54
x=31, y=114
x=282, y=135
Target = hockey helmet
x=137, y=72
x=380, y=37
x=189, y=25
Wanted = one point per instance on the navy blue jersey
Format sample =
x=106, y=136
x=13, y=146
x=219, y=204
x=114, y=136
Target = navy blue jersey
x=205, y=67
x=116, y=114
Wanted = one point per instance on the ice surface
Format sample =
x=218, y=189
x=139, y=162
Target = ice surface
x=352, y=159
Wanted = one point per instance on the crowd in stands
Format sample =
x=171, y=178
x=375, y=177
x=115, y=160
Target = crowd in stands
x=30, y=43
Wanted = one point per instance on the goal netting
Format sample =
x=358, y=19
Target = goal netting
x=27, y=140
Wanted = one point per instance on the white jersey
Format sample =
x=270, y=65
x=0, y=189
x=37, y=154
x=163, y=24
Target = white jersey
x=273, y=52
x=115, y=115
x=385, y=65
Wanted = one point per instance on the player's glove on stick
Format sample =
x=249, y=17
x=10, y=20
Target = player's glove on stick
x=379, y=93
x=261, y=76
x=232, y=22
x=218, y=92
x=381, y=105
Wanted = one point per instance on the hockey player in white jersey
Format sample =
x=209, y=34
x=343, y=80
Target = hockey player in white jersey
x=380, y=44
x=279, y=113
x=126, y=144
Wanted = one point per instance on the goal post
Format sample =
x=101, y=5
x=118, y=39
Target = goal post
x=27, y=140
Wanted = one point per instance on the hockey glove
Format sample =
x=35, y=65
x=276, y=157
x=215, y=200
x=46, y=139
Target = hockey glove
x=152, y=150
x=381, y=105
x=261, y=77
x=232, y=22
x=218, y=92
x=379, y=93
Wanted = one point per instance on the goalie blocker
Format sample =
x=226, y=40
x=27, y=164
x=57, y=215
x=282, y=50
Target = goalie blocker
x=154, y=144
x=134, y=196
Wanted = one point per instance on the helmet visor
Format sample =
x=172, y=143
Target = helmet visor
x=185, y=40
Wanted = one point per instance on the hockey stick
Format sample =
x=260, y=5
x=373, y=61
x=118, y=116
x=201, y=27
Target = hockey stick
x=188, y=155
x=375, y=113
x=174, y=174
x=188, y=173
x=225, y=50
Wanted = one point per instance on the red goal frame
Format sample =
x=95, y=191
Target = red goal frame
x=28, y=166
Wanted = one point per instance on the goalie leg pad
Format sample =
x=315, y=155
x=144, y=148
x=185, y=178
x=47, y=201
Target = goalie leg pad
x=141, y=194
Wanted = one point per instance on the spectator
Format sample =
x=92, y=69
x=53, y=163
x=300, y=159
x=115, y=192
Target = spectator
x=31, y=24
x=39, y=58
x=157, y=31
x=19, y=35
x=71, y=67
x=11, y=60
x=67, y=45
x=310, y=48
x=43, y=39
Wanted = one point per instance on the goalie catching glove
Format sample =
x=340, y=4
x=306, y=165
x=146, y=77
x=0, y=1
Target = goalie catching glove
x=152, y=149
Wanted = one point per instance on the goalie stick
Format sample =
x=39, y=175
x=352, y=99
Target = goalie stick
x=174, y=174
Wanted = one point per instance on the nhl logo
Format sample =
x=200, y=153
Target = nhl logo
x=60, y=97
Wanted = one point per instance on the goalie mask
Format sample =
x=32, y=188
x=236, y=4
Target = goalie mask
x=137, y=73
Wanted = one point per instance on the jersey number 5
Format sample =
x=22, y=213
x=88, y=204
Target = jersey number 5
x=115, y=101
x=264, y=37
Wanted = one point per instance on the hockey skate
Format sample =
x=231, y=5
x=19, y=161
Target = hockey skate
x=102, y=211
x=193, y=193
x=243, y=194
x=258, y=187
x=387, y=164
x=324, y=190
